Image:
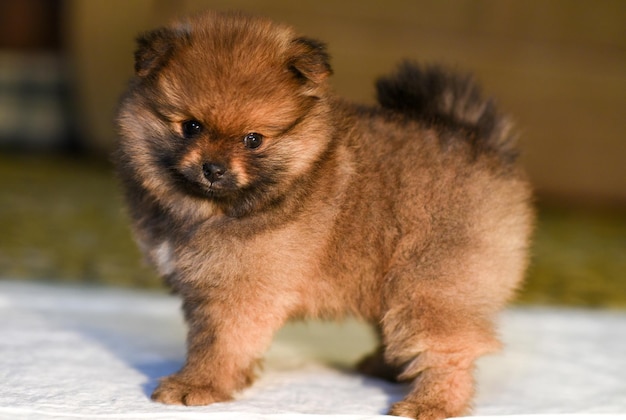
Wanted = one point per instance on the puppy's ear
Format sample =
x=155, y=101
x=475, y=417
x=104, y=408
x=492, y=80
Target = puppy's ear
x=309, y=61
x=155, y=48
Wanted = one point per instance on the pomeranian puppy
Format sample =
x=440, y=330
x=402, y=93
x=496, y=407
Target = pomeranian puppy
x=262, y=197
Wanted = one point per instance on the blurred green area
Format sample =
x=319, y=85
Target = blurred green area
x=62, y=220
x=579, y=258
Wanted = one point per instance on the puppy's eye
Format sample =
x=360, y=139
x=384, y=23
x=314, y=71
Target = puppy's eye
x=253, y=140
x=191, y=128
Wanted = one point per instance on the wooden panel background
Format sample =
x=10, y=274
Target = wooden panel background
x=558, y=65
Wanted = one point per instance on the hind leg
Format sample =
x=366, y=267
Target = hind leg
x=438, y=321
x=436, y=344
x=440, y=303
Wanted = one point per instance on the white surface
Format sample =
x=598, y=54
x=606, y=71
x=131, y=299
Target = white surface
x=68, y=353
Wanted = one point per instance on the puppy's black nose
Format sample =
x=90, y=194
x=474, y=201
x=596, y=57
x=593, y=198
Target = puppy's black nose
x=213, y=171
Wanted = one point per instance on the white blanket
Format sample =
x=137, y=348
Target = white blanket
x=93, y=353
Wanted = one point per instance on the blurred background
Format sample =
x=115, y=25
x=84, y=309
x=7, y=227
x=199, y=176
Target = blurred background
x=558, y=66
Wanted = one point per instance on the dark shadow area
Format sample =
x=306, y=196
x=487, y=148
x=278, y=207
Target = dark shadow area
x=135, y=351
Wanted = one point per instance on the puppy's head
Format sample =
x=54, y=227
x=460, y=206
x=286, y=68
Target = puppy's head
x=225, y=113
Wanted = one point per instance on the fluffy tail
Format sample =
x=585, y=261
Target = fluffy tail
x=448, y=100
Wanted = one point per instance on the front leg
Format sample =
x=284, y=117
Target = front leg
x=225, y=343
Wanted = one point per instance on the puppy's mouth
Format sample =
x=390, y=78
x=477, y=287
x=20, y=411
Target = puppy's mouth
x=202, y=184
x=210, y=189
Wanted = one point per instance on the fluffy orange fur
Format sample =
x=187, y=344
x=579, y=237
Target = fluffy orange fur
x=413, y=214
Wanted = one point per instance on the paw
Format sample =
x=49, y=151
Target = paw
x=174, y=390
x=417, y=411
